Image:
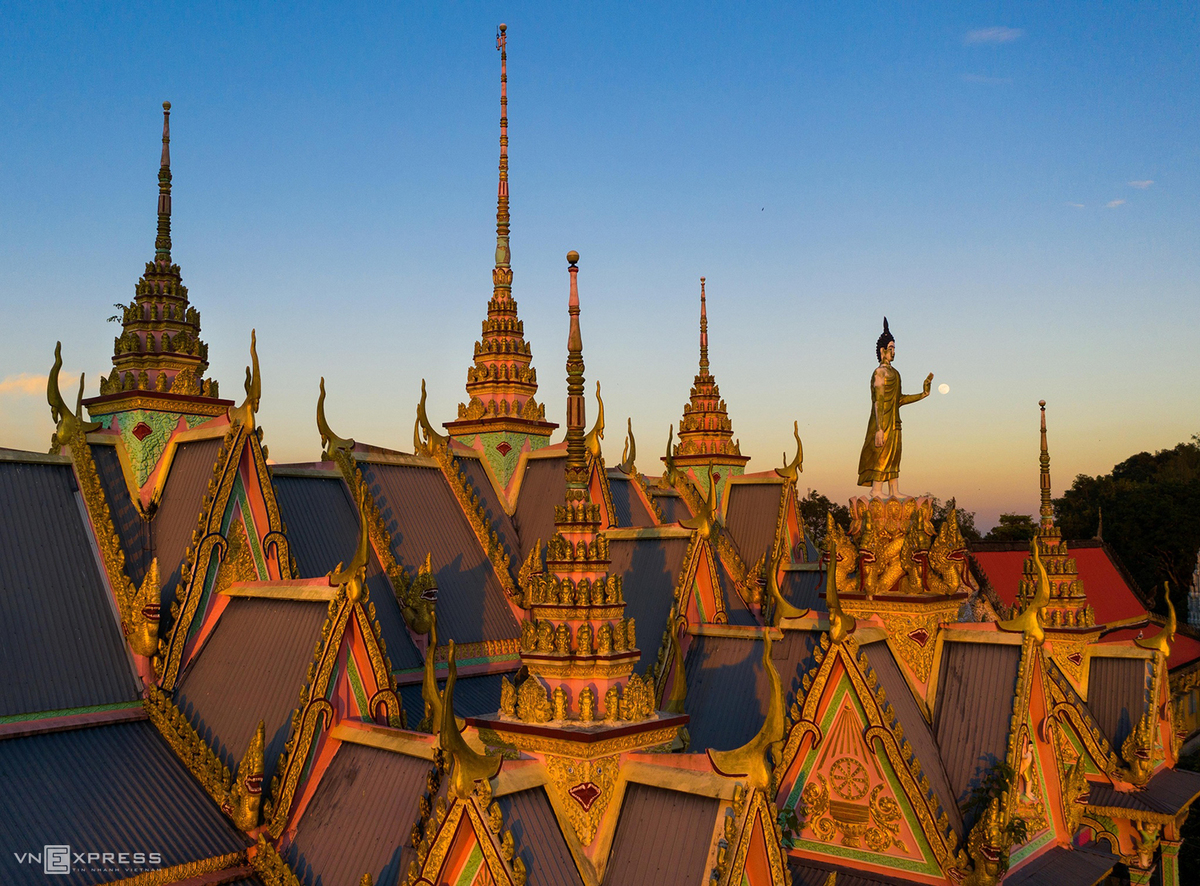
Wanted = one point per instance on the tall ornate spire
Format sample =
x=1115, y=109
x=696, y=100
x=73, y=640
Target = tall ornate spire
x=579, y=643
x=162, y=243
x=705, y=431
x=1068, y=603
x=501, y=416
x=159, y=351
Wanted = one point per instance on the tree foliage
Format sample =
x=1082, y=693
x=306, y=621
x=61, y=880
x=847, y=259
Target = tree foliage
x=1151, y=513
x=1012, y=527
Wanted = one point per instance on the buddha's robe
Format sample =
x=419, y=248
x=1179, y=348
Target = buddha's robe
x=879, y=463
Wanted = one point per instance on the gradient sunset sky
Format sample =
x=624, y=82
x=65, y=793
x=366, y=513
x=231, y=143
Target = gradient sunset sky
x=1016, y=186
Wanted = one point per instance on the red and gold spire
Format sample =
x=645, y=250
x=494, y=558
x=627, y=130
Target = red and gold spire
x=705, y=431
x=502, y=413
x=1068, y=606
x=159, y=350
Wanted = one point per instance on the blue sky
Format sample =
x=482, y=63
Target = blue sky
x=1015, y=185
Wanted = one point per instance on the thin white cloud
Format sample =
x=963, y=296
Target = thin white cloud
x=27, y=384
x=980, y=78
x=1113, y=204
x=993, y=35
x=1076, y=205
x=1142, y=185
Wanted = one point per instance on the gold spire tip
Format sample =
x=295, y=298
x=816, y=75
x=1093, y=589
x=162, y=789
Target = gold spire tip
x=166, y=106
x=503, y=27
x=572, y=258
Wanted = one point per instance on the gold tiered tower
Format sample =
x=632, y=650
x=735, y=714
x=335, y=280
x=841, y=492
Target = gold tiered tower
x=501, y=418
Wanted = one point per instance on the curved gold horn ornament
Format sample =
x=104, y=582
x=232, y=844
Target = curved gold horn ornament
x=752, y=761
x=469, y=767
x=596, y=434
x=67, y=423
x=629, y=453
x=1029, y=620
x=791, y=468
x=330, y=442
x=1162, y=641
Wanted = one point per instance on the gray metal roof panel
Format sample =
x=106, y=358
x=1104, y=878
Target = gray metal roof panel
x=736, y=610
x=477, y=476
x=662, y=837
x=423, y=516
x=359, y=819
x=115, y=788
x=132, y=531
x=543, y=486
x=673, y=508
x=722, y=668
x=809, y=872
x=628, y=505
x=1117, y=693
x=1064, y=866
x=1167, y=793
x=251, y=668
x=322, y=529
x=538, y=838
x=974, y=707
x=918, y=732
x=649, y=570
x=60, y=641
x=804, y=589
x=473, y=696
x=751, y=516
x=178, y=511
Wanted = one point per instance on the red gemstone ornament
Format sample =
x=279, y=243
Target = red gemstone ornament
x=1075, y=658
x=585, y=794
x=504, y=448
x=920, y=636
x=142, y=430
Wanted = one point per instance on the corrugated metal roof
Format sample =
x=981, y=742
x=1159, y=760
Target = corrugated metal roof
x=543, y=486
x=649, y=569
x=629, y=507
x=974, y=706
x=805, y=589
x=673, y=508
x=1117, y=696
x=751, y=516
x=252, y=668
x=1167, y=793
x=477, y=476
x=1064, y=866
x=662, y=838
x=178, y=512
x=60, y=643
x=807, y=872
x=423, y=516
x=359, y=819
x=736, y=610
x=132, y=530
x=721, y=669
x=916, y=729
x=538, y=838
x=473, y=696
x=115, y=788
x=322, y=529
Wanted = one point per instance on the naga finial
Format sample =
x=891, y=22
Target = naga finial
x=253, y=385
x=1029, y=620
x=354, y=576
x=330, y=442
x=1161, y=642
x=679, y=687
x=752, y=760
x=796, y=465
x=432, y=440
x=596, y=434
x=141, y=626
x=841, y=624
x=469, y=766
x=783, y=609
x=67, y=423
x=429, y=691
x=245, y=800
x=629, y=452
x=670, y=472
x=708, y=518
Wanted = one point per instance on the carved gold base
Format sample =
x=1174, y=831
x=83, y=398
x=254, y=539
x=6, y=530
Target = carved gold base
x=579, y=742
x=582, y=667
x=155, y=401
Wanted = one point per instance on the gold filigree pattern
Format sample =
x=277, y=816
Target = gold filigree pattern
x=214, y=776
x=585, y=788
x=186, y=871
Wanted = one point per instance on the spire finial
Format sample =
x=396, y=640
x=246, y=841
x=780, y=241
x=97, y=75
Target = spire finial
x=703, y=331
x=503, y=256
x=576, y=451
x=1047, y=510
x=162, y=243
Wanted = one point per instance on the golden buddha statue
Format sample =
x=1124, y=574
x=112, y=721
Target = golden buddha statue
x=880, y=459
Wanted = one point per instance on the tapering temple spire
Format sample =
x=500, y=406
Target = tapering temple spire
x=162, y=243
x=503, y=255
x=705, y=431
x=1047, y=510
x=501, y=417
x=576, y=419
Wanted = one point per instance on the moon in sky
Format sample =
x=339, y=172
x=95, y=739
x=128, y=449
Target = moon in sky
x=943, y=388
